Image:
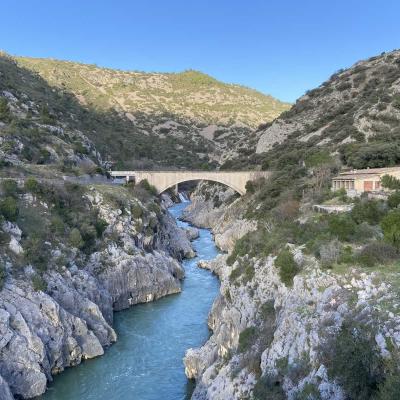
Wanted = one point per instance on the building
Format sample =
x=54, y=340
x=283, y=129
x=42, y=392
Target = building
x=358, y=181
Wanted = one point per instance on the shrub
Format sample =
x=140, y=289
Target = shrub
x=267, y=310
x=57, y=225
x=9, y=188
x=136, y=211
x=390, y=389
x=390, y=182
x=394, y=199
x=38, y=283
x=146, y=185
x=2, y=275
x=269, y=387
x=341, y=226
x=250, y=187
x=391, y=228
x=353, y=360
x=31, y=185
x=75, y=239
x=377, y=253
x=247, y=338
x=370, y=211
x=100, y=225
x=330, y=252
x=287, y=210
x=5, y=114
x=287, y=267
x=37, y=252
x=245, y=270
x=308, y=392
x=372, y=155
x=9, y=208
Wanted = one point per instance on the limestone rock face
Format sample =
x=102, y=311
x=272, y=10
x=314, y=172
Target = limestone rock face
x=44, y=332
x=5, y=392
x=292, y=323
x=141, y=278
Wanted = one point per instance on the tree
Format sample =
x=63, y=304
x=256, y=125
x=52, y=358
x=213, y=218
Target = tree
x=391, y=228
x=390, y=182
x=341, y=226
x=394, y=199
x=287, y=267
x=250, y=187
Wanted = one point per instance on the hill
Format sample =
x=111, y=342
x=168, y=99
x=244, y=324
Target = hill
x=355, y=112
x=174, y=119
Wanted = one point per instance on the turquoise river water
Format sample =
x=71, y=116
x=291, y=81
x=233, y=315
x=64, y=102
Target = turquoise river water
x=146, y=361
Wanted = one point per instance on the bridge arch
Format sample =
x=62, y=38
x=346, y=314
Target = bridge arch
x=230, y=185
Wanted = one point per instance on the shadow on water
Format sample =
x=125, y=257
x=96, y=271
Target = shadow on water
x=146, y=361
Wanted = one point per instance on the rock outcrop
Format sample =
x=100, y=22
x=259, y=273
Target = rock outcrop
x=57, y=320
x=263, y=328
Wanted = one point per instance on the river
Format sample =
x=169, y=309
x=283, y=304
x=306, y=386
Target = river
x=146, y=361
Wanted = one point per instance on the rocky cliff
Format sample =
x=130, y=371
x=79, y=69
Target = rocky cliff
x=64, y=315
x=277, y=340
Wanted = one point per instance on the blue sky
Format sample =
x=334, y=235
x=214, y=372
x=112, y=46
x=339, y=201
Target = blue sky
x=278, y=47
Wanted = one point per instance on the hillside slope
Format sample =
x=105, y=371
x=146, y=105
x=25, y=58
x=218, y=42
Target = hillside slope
x=357, y=105
x=308, y=305
x=191, y=110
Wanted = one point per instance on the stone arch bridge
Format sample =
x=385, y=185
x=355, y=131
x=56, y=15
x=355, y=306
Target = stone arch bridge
x=163, y=180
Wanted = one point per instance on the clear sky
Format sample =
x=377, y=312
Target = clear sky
x=279, y=47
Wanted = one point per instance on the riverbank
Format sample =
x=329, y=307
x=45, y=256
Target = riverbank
x=276, y=338
x=57, y=318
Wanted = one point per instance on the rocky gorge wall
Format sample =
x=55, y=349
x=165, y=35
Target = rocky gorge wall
x=270, y=340
x=44, y=330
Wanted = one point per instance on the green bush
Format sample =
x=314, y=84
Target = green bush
x=377, y=253
x=5, y=114
x=390, y=388
x=391, y=228
x=269, y=387
x=3, y=275
x=136, y=211
x=250, y=187
x=146, y=185
x=37, y=253
x=9, y=208
x=38, y=283
x=390, y=182
x=353, y=359
x=9, y=188
x=100, y=225
x=32, y=185
x=371, y=211
x=394, y=199
x=244, y=270
x=75, y=239
x=308, y=392
x=57, y=225
x=341, y=226
x=287, y=267
x=247, y=338
x=372, y=155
